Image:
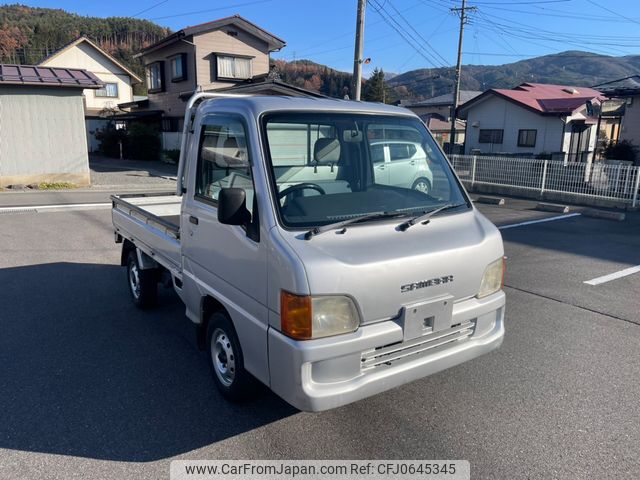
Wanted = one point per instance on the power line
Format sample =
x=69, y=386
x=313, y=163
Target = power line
x=426, y=42
x=150, y=8
x=611, y=11
x=406, y=36
x=210, y=10
x=533, y=2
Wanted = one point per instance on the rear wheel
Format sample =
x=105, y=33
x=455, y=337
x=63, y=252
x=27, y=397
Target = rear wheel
x=226, y=360
x=422, y=185
x=143, y=284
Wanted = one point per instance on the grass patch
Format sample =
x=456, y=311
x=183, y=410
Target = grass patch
x=55, y=186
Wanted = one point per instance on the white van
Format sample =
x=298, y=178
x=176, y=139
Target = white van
x=300, y=266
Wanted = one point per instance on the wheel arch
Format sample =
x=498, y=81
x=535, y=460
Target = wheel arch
x=208, y=306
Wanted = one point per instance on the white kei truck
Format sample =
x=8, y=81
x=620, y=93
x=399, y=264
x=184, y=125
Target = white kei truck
x=308, y=254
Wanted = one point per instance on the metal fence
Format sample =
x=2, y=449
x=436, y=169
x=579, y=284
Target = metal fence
x=601, y=180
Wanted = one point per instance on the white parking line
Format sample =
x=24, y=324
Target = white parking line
x=531, y=222
x=31, y=208
x=613, y=276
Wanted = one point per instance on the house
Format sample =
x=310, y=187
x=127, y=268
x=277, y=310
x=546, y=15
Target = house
x=623, y=104
x=440, y=106
x=118, y=80
x=436, y=113
x=215, y=55
x=441, y=130
x=533, y=119
x=42, y=128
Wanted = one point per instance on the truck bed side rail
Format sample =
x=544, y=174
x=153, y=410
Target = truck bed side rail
x=169, y=228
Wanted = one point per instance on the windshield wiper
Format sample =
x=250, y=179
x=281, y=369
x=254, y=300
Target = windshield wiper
x=424, y=217
x=343, y=223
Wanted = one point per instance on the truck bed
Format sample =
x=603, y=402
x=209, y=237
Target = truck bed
x=152, y=223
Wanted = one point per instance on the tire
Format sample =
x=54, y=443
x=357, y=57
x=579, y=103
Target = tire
x=422, y=185
x=143, y=284
x=226, y=360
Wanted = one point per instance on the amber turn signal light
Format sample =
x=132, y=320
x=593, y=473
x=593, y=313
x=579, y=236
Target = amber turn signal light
x=295, y=315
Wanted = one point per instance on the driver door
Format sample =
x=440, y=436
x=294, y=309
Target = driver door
x=224, y=261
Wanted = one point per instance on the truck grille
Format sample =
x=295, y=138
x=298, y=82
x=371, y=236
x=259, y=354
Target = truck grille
x=389, y=354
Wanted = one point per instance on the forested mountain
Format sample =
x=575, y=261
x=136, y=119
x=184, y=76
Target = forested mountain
x=567, y=68
x=28, y=34
x=313, y=76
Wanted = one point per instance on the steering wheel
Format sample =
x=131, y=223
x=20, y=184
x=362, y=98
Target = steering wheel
x=301, y=186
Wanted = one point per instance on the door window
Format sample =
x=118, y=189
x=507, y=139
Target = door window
x=223, y=159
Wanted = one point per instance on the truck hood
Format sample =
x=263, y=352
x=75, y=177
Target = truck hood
x=384, y=269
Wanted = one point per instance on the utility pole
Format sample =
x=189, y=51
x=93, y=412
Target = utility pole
x=456, y=87
x=357, y=54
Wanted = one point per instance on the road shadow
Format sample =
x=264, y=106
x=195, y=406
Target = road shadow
x=84, y=373
x=101, y=164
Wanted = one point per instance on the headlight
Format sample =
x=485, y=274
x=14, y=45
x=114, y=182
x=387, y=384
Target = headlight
x=304, y=317
x=493, y=278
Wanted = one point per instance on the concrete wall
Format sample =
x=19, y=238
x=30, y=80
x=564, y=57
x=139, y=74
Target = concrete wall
x=498, y=113
x=42, y=136
x=85, y=56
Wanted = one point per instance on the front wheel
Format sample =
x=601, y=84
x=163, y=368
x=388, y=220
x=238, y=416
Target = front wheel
x=143, y=284
x=422, y=185
x=226, y=360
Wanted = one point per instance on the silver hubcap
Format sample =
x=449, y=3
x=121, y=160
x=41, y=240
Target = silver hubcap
x=134, y=279
x=422, y=186
x=224, y=360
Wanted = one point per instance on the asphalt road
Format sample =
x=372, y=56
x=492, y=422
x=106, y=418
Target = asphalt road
x=93, y=388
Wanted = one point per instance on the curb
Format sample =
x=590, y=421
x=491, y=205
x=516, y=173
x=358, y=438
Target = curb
x=490, y=200
x=551, y=207
x=604, y=214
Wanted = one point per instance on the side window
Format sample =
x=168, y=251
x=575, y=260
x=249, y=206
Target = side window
x=377, y=153
x=399, y=151
x=223, y=159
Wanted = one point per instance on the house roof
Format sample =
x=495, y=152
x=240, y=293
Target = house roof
x=79, y=40
x=275, y=43
x=264, y=86
x=48, y=76
x=543, y=99
x=446, y=99
x=438, y=125
x=623, y=86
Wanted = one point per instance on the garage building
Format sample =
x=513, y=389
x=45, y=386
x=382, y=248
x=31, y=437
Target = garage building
x=42, y=130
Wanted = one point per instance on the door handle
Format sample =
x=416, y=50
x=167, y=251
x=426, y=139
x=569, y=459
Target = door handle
x=193, y=219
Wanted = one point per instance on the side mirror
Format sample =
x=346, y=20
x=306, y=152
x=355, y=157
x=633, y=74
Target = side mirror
x=232, y=207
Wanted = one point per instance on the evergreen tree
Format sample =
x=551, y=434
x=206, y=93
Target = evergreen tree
x=376, y=88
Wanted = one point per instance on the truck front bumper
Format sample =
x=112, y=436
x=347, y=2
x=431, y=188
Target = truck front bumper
x=317, y=375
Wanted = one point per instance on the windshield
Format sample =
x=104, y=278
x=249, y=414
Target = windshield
x=331, y=167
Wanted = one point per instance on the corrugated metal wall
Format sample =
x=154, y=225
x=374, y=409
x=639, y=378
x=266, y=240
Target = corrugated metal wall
x=42, y=135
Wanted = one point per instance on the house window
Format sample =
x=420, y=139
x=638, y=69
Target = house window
x=109, y=90
x=179, y=68
x=527, y=138
x=490, y=136
x=155, y=77
x=233, y=67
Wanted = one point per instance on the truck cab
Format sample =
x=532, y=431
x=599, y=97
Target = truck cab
x=306, y=268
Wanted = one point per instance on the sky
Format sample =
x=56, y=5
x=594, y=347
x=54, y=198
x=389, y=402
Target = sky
x=403, y=35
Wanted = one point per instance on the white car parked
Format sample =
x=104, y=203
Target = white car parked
x=401, y=163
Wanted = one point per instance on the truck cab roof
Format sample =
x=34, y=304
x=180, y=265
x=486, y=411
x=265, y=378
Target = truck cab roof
x=260, y=104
